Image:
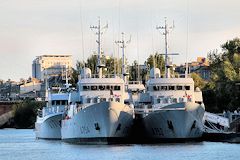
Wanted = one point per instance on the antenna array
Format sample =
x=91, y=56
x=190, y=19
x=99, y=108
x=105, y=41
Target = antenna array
x=99, y=33
x=166, y=31
x=123, y=44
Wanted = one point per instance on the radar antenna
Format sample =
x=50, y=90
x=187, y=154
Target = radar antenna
x=123, y=44
x=99, y=33
x=166, y=31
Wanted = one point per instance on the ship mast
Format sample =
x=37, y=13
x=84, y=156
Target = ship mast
x=166, y=29
x=122, y=44
x=46, y=88
x=99, y=32
x=67, y=85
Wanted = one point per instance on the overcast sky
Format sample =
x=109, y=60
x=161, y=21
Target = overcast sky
x=30, y=28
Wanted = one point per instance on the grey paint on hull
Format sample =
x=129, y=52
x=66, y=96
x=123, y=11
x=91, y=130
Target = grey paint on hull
x=50, y=128
x=103, y=120
x=175, y=124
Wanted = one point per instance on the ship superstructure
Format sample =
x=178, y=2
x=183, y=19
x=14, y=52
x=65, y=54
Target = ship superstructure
x=48, y=123
x=171, y=108
x=97, y=114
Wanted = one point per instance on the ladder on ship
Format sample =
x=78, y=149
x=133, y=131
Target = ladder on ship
x=214, y=123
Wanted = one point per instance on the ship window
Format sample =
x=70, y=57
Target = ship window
x=181, y=99
x=187, y=87
x=64, y=102
x=53, y=103
x=165, y=100
x=171, y=87
x=126, y=88
x=164, y=88
x=155, y=88
x=174, y=100
x=95, y=100
x=101, y=87
x=88, y=100
x=117, y=99
x=103, y=99
x=107, y=87
x=117, y=88
x=93, y=88
x=86, y=88
x=179, y=87
x=57, y=102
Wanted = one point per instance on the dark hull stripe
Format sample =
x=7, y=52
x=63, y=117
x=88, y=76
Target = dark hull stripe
x=165, y=140
x=48, y=138
x=132, y=140
x=99, y=140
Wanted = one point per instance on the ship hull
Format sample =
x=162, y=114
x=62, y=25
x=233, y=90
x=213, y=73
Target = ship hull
x=101, y=123
x=177, y=122
x=49, y=127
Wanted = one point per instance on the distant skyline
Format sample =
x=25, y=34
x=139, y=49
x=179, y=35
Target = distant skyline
x=30, y=28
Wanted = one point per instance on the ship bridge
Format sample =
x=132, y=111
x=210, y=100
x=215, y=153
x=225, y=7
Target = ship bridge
x=107, y=88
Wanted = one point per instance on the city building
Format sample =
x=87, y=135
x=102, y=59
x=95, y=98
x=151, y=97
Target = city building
x=30, y=89
x=9, y=90
x=51, y=66
x=204, y=72
x=201, y=67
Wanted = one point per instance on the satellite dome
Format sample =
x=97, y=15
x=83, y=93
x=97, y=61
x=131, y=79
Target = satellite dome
x=198, y=89
x=86, y=73
x=155, y=73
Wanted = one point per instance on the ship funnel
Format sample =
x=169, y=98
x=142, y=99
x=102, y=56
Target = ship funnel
x=155, y=73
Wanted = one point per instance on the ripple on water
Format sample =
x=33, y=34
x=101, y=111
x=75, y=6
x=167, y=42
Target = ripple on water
x=22, y=145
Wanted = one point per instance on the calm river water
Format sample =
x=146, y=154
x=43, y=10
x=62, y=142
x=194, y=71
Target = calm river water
x=22, y=145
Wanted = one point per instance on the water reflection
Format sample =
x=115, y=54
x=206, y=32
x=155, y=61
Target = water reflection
x=21, y=144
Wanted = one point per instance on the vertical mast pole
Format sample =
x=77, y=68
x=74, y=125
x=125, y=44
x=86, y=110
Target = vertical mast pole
x=166, y=50
x=99, y=49
x=165, y=33
x=123, y=46
x=123, y=59
x=187, y=40
x=99, y=54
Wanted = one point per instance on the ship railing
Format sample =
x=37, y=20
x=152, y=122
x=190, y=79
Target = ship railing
x=103, y=76
x=134, y=82
x=39, y=113
x=81, y=107
x=134, y=86
x=52, y=110
x=176, y=75
x=94, y=100
x=181, y=76
x=172, y=100
x=149, y=110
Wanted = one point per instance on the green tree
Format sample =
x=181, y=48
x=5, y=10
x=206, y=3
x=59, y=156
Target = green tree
x=111, y=65
x=92, y=63
x=225, y=74
x=198, y=81
x=133, y=76
x=74, y=77
x=158, y=60
x=25, y=113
